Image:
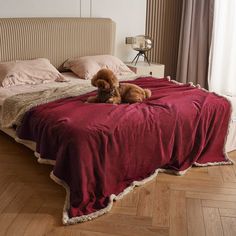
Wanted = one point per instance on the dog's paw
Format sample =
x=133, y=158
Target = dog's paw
x=110, y=100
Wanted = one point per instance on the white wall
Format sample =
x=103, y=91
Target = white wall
x=39, y=8
x=129, y=15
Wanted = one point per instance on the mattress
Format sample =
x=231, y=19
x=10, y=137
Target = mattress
x=73, y=79
x=233, y=102
x=231, y=139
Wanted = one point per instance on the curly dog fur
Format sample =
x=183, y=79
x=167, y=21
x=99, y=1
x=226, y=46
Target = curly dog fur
x=111, y=91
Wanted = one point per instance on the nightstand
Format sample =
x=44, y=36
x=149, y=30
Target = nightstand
x=143, y=68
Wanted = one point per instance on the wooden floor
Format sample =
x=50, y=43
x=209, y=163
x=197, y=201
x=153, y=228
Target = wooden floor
x=203, y=202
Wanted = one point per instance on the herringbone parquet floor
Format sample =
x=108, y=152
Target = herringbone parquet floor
x=203, y=202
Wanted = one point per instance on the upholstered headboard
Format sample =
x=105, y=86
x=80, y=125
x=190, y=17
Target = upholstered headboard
x=55, y=38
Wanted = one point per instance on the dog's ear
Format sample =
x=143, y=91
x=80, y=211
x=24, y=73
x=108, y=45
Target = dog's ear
x=94, y=80
x=115, y=81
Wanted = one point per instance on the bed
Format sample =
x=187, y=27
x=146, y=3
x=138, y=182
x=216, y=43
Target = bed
x=109, y=138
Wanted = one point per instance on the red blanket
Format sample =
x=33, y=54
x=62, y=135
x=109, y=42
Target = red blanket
x=100, y=149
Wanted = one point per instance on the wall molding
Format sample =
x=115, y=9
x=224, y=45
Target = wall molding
x=86, y=8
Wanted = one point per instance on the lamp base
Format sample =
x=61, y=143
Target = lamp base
x=143, y=54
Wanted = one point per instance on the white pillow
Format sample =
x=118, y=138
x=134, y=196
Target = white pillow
x=87, y=67
x=36, y=71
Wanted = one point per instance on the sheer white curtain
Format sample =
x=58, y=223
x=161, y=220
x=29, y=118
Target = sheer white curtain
x=222, y=67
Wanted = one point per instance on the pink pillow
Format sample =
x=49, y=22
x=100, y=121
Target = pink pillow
x=35, y=71
x=87, y=67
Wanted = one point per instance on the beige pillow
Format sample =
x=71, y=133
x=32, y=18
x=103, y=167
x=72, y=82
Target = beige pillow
x=35, y=71
x=87, y=67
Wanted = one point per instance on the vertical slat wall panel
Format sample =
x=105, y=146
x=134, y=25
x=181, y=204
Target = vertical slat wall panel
x=163, y=26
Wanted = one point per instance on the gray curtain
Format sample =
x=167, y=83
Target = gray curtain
x=195, y=40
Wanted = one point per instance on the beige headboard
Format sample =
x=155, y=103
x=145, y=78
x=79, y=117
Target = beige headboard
x=55, y=38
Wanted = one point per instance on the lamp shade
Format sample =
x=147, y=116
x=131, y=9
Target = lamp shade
x=142, y=43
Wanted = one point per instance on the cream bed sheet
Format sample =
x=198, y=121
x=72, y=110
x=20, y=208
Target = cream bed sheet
x=73, y=79
x=13, y=90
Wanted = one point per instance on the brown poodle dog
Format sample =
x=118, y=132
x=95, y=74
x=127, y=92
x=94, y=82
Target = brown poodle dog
x=110, y=91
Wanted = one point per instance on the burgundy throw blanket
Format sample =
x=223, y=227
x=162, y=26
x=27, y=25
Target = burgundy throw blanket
x=100, y=149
